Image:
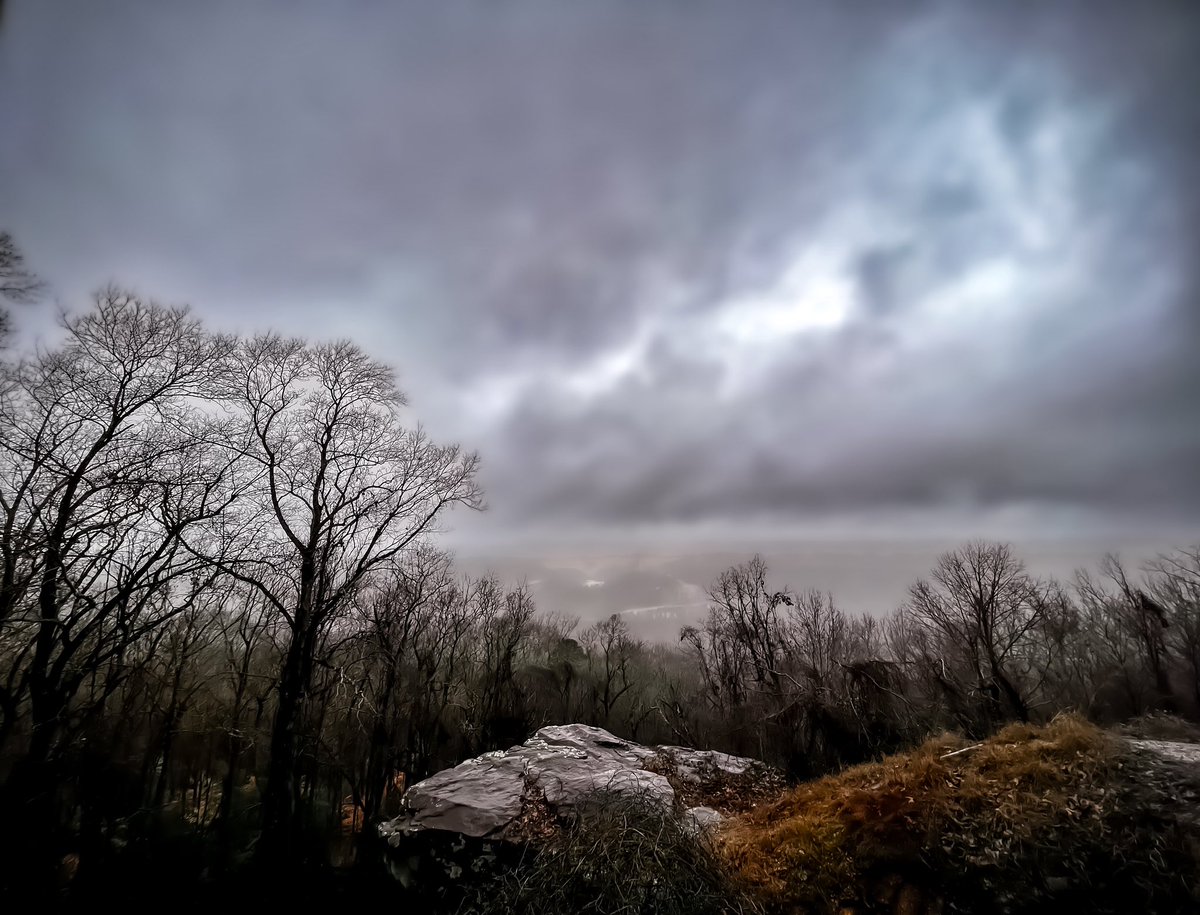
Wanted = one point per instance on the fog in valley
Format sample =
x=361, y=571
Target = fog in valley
x=657, y=591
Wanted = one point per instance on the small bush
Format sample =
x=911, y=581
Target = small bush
x=617, y=854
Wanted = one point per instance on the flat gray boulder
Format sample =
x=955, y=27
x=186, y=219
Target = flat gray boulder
x=487, y=797
x=477, y=798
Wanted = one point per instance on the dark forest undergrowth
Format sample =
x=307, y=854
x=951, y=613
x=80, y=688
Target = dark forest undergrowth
x=1059, y=817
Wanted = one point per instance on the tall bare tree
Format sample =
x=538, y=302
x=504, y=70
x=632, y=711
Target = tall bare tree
x=981, y=607
x=105, y=461
x=611, y=654
x=338, y=488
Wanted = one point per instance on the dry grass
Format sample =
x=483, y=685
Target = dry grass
x=1031, y=815
x=615, y=855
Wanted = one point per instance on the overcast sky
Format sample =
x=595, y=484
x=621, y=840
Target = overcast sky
x=677, y=270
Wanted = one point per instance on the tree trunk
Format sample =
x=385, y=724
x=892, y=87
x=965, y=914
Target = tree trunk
x=1016, y=702
x=281, y=796
x=278, y=805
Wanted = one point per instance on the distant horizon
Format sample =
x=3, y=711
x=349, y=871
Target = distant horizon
x=866, y=576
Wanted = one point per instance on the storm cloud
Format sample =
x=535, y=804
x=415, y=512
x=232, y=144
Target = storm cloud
x=670, y=265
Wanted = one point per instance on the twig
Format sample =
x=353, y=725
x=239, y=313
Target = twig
x=963, y=750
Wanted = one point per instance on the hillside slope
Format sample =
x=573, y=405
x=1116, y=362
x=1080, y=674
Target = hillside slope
x=1061, y=817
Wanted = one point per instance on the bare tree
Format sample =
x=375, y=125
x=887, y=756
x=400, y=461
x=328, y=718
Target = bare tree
x=817, y=639
x=338, y=487
x=751, y=616
x=1177, y=587
x=107, y=461
x=410, y=636
x=775, y=665
x=17, y=283
x=981, y=607
x=1146, y=621
x=187, y=635
x=246, y=649
x=497, y=714
x=557, y=668
x=611, y=655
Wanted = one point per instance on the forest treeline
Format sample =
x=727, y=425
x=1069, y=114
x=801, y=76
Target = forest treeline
x=224, y=614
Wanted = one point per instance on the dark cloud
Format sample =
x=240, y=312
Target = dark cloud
x=881, y=274
x=669, y=264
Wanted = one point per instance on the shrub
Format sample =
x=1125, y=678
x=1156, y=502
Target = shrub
x=617, y=854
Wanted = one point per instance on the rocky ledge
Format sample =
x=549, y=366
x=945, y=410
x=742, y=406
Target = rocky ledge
x=522, y=794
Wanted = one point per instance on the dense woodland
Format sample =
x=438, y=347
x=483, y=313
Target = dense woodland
x=225, y=617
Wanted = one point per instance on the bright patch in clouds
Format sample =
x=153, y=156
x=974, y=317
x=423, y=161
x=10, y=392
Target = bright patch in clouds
x=813, y=294
x=606, y=370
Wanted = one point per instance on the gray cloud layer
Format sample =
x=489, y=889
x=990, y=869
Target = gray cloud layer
x=670, y=264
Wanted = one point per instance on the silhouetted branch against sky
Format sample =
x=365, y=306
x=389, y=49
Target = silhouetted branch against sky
x=670, y=267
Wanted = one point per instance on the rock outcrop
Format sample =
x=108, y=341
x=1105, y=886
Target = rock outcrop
x=486, y=797
x=465, y=816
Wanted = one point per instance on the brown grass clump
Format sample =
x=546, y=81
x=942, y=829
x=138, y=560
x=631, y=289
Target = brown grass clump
x=1031, y=816
x=616, y=854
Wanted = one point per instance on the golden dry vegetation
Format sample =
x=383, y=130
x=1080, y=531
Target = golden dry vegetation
x=1034, y=817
